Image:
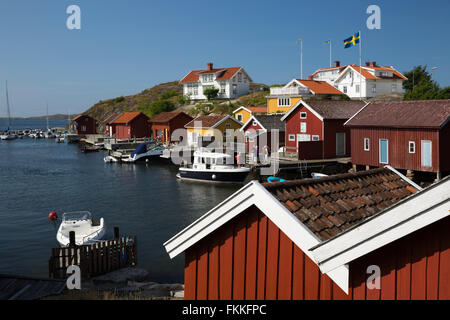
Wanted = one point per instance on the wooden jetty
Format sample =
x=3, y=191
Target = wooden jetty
x=18, y=287
x=94, y=259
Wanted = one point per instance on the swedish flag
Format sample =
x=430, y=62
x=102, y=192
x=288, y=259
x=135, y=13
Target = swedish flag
x=352, y=41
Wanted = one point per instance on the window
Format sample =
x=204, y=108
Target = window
x=239, y=117
x=302, y=115
x=374, y=88
x=284, y=102
x=228, y=125
x=254, y=123
x=315, y=138
x=302, y=126
x=345, y=89
x=234, y=89
x=366, y=144
x=394, y=87
x=412, y=147
x=292, y=137
x=192, y=89
x=83, y=128
x=239, y=77
x=357, y=88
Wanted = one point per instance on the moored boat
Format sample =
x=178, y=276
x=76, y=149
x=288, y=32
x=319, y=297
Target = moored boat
x=213, y=167
x=87, y=229
x=145, y=151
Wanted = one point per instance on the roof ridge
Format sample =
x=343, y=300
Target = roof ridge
x=273, y=185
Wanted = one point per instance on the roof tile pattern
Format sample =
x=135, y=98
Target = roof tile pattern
x=320, y=87
x=330, y=205
x=127, y=117
x=206, y=121
x=164, y=117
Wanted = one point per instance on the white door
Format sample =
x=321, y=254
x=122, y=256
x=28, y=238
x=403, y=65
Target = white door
x=426, y=153
x=340, y=143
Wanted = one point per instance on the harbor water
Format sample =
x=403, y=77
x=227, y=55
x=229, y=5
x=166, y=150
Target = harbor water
x=147, y=200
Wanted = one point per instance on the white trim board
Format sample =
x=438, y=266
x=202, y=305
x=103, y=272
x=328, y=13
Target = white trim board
x=252, y=194
x=411, y=214
x=295, y=106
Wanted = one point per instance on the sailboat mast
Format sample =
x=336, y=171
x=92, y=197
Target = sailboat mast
x=47, y=116
x=7, y=105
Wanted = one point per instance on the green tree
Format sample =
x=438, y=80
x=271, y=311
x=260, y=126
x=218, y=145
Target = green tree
x=211, y=92
x=444, y=93
x=155, y=107
x=424, y=90
x=416, y=76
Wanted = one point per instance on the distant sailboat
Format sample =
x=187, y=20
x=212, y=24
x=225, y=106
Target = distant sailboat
x=49, y=133
x=7, y=135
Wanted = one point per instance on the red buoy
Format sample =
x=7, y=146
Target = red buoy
x=52, y=216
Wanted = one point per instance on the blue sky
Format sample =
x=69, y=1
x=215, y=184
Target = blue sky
x=124, y=47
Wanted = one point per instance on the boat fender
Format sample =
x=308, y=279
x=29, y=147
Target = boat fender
x=52, y=216
x=214, y=177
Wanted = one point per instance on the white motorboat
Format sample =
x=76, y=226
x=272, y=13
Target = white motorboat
x=8, y=136
x=213, y=167
x=145, y=151
x=87, y=229
x=59, y=139
x=110, y=159
x=316, y=175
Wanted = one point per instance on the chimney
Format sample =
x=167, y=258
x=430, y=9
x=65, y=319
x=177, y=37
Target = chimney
x=310, y=78
x=367, y=64
x=337, y=64
x=373, y=64
x=210, y=65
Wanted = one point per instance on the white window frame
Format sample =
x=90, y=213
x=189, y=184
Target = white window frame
x=303, y=127
x=366, y=144
x=254, y=123
x=379, y=152
x=315, y=137
x=357, y=88
x=413, y=144
x=284, y=102
x=344, y=89
x=303, y=115
x=239, y=117
x=291, y=137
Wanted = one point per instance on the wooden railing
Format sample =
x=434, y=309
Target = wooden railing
x=94, y=259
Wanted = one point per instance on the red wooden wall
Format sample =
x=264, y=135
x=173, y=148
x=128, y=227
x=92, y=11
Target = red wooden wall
x=399, y=157
x=330, y=128
x=87, y=122
x=313, y=127
x=137, y=128
x=250, y=258
x=176, y=123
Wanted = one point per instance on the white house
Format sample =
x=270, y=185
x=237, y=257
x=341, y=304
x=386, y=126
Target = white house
x=231, y=82
x=366, y=81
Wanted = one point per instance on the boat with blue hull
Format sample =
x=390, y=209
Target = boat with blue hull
x=213, y=167
x=145, y=151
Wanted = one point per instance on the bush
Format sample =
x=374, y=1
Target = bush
x=155, y=107
x=211, y=92
x=119, y=99
x=168, y=94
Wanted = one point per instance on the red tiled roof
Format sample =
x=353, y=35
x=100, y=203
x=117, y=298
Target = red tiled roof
x=320, y=87
x=257, y=109
x=365, y=72
x=207, y=121
x=223, y=74
x=127, y=117
x=403, y=114
x=164, y=117
x=77, y=117
x=331, y=205
x=111, y=118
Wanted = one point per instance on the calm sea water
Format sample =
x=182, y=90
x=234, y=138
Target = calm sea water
x=40, y=176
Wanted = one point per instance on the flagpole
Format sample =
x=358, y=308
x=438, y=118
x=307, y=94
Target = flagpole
x=330, y=53
x=360, y=64
x=301, y=58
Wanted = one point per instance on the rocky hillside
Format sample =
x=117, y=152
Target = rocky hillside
x=104, y=109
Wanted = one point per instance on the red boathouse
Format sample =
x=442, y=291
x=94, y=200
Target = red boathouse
x=84, y=124
x=132, y=125
x=165, y=123
x=315, y=129
x=369, y=235
x=410, y=135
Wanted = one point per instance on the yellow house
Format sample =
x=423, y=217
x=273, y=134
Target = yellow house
x=278, y=102
x=209, y=126
x=243, y=114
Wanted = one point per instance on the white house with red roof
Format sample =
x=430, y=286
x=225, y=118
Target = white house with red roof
x=362, y=82
x=231, y=82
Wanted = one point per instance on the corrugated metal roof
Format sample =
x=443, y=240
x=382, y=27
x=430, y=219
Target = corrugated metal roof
x=14, y=287
x=403, y=114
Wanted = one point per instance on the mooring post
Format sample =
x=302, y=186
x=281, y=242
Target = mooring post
x=116, y=233
x=72, y=239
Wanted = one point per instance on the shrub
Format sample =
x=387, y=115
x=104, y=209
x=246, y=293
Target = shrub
x=211, y=92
